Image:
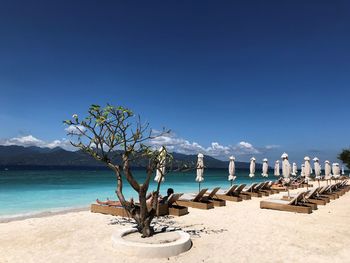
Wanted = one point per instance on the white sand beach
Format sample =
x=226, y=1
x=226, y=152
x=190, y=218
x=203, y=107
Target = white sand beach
x=239, y=232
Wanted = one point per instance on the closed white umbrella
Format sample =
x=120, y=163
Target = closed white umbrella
x=231, y=170
x=295, y=169
x=160, y=173
x=333, y=169
x=336, y=170
x=342, y=170
x=277, y=168
x=327, y=170
x=252, y=167
x=265, y=168
x=200, y=170
x=285, y=168
x=302, y=174
x=317, y=169
x=307, y=169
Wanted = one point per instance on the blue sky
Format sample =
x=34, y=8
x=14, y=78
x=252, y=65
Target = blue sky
x=257, y=77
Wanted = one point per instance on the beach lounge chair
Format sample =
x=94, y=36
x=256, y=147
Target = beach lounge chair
x=305, y=183
x=195, y=200
x=342, y=187
x=296, y=204
x=310, y=198
x=173, y=208
x=212, y=197
x=260, y=188
x=239, y=192
x=268, y=188
x=280, y=188
x=332, y=192
x=324, y=192
x=229, y=195
x=250, y=190
x=162, y=209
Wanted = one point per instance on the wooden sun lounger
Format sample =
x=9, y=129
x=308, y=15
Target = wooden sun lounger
x=279, y=188
x=293, y=205
x=260, y=188
x=306, y=201
x=228, y=195
x=329, y=192
x=239, y=192
x=195, y=201
x=310, y=198
x=162, y=210
x=176, y=210
x=268, y=188
x=109, y=210
x=212, y=197
x=250, y=191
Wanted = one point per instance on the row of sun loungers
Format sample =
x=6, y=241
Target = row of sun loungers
x=306, y=201
x=303, y=202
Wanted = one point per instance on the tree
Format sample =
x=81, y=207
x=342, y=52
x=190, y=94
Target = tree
x=344, y=156
x=115, y=137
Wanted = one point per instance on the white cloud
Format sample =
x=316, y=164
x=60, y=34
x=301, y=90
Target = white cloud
x=272, y=146
x=171, y=141
x=75, y=129
x=30, y=140
x=176, y=144
x=245, y=145
x=180, y=145
x=244, y=148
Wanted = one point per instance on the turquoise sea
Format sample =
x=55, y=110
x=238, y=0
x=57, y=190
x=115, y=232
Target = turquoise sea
x=25, y=192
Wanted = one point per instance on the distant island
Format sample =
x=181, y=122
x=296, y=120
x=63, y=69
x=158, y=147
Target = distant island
x=57, y=157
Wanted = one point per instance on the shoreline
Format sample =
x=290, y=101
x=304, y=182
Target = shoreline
x=9, y=218
x=76, y=235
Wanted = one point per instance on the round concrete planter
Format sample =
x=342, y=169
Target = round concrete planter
x=180, y=242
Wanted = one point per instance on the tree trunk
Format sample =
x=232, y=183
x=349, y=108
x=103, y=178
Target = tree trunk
x=145, y=227
x=143, y=223
x=142, y=214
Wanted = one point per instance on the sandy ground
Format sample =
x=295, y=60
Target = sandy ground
x=240, y=232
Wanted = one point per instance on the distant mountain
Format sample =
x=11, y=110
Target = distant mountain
x=58, y=157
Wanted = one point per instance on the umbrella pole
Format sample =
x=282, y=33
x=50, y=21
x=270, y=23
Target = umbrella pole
x=199, y=187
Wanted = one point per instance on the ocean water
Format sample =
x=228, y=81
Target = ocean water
x=24, y=192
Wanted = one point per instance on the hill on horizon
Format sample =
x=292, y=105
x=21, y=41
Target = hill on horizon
x=44, y=157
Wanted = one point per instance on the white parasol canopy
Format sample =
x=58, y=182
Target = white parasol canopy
x=265, y=168
x=336, y=170
x=200, y=168
x=277, y=168
x=295, y=169
x=231, y=169
x=317, y=168
x=342, y=170
x=327, y=170
x=252, y=167
x=160, y=173
x=285, y=167
x=307, y=167
x=302, y=174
